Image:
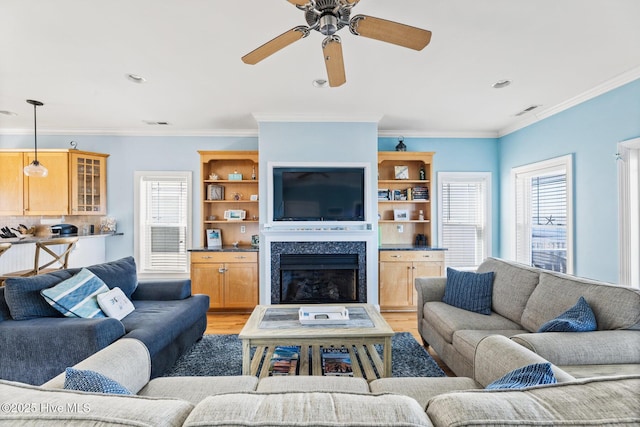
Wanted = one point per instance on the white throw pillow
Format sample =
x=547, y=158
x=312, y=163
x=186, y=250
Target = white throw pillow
x=115, y=303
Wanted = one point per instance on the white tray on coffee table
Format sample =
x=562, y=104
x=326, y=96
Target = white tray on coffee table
x=323, y=315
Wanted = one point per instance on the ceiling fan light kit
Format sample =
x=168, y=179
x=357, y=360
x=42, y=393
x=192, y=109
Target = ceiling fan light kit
x=330, y=16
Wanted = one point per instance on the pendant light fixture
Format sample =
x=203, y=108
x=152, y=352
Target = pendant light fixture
x=35, y=168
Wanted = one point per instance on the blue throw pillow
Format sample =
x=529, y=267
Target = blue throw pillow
x=76, y=296
x=579, y=318
x=91, y=381
x=527, y=376
x=23, y=298
x=468, y=290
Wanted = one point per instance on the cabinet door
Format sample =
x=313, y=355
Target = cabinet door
x=49, y=195
x=207, y=279
x=394, y=284
x=424, y=269
x=11, y=184
x=88, y=184
x=241, y=285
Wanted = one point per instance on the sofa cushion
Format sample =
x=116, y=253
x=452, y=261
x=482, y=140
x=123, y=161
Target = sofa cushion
x=466, y=340
x=5, y=314
x=195, y=389
x=422, y=389
x=76, y=296
x=596, y=402
x=527, y=376
x=615, y=307
x=82, y=409
x=468, y=290
x=308, y=409
x=86, y=380
x=312, y=383
x=513, y=284
x=446, y=320
x=579, y=318
x=23, y=295
x=121, y=273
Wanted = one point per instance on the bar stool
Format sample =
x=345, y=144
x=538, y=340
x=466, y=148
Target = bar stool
x=61, y=259
x=3, y=248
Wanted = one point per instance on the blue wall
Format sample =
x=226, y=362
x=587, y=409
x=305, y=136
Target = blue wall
x=590, y=131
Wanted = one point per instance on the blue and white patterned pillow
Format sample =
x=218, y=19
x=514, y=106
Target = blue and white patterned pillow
x=91, y=381
x=76, y=296
x=579, y=318
x=527, y=376
x=469, y=291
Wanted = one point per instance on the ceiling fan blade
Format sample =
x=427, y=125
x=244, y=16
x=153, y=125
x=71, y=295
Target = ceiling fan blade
x=390, y=32
x=332, y=50
x=299, y=2
x=278, y=43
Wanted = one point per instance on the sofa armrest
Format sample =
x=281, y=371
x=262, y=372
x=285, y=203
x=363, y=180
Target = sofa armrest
x=497, y=355
x=428, y=289
x=584, y=348
x=52, y=344
x=126, y=361
x=162, y=290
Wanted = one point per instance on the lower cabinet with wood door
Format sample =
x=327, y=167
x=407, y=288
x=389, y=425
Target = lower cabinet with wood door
x=398, y=270
x=229, y=278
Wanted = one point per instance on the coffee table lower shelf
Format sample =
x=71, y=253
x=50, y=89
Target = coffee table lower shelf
x=365, y=360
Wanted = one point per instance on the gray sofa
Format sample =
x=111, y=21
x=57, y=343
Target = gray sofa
x=323, y=401
x=38, y=343
x=523, y=299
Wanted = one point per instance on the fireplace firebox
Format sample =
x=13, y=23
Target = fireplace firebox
x=318, y=278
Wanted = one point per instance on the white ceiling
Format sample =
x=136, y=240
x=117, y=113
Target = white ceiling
x=73, y=55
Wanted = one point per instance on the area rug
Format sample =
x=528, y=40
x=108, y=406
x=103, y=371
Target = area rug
x=218, y=355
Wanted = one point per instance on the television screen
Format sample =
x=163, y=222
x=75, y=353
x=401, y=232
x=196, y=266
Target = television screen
x=318, y=194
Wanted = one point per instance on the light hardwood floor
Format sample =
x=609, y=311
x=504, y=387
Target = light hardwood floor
x=232, y=323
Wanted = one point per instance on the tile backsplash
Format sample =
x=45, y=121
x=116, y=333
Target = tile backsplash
x=43, y=229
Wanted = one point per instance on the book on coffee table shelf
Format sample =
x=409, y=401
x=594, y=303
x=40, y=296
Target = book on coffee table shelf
x=284, y=360
x=336, y=362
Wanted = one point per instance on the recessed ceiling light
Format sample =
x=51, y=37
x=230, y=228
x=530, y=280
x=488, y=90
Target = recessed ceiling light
x=155, y=122
x=501, y=83
x=320, y=83
x=136, y=78
x=8, y=113
x=526, y=110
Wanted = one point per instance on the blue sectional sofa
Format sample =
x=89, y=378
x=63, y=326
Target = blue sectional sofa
x=38, y=342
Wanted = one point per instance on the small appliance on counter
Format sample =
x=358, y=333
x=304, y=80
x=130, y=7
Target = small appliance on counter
x=64, y=229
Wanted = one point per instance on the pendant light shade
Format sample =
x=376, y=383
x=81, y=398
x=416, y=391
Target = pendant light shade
x=35, y=169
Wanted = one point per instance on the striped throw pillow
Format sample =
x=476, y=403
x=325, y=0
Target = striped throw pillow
x=76, y=296
x=468, y=290
x=527, y=376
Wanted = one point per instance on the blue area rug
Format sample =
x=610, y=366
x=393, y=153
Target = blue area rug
x=218, y=355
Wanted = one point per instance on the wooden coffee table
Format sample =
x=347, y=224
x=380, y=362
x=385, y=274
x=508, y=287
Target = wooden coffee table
x=273, y=325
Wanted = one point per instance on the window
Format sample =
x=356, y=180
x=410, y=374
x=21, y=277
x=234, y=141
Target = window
x=629, y=211
x=465, y=212
x=162, y=225
x=544, y=214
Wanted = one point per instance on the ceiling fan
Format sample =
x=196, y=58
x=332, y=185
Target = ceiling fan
x=330, y=16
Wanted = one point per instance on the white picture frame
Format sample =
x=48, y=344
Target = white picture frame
x=214, y=238
x=235, y=214
x=401, y=215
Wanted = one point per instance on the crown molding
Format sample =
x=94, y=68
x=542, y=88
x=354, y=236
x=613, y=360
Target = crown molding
x=310, y=117
x=614, y=83
x=137, y=132
x=436, y=134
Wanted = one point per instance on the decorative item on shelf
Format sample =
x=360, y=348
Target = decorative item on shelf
x=213, y=177
x=253, y=173
x=421, y=215
x=253, y=197
x=401, y=172
x=235, y=215
x=211, y=218
x=255, y=241
x=108, y=224
x=35, y=169
x=214, y=238
x=421, y=240
x=235, y=176
x=215, y=192
x=422, y=174
x=237, y=196
x=74, y=145
x=400, y=215
x=383, y=194
x=401, y=146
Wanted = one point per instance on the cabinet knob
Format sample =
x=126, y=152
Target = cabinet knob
x=222, y=270
x=396, y=256
x=427, y=256
x=207, y=257
x=240, y=257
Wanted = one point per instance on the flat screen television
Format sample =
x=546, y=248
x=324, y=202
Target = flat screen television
x=318, y=194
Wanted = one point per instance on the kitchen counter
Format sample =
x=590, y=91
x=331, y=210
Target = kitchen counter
x=34, y=239
x=401, y=247
x=226, y=249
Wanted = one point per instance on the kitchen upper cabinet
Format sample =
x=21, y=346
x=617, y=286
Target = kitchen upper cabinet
x=75, y=185
x=48, y=195
x=11, y=183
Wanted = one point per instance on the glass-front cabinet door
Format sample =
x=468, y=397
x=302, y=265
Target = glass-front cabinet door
x=88, y=172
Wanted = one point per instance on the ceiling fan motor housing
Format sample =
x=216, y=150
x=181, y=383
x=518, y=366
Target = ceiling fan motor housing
x=328, y=16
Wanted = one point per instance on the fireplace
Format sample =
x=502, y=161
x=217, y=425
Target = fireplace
x=318, y=278
x=318, y=272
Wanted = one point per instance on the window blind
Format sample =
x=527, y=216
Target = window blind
x=464, y=221
x=164, y=210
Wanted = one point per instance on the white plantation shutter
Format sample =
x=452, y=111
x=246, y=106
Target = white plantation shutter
x=464, y=226
x=164, y=210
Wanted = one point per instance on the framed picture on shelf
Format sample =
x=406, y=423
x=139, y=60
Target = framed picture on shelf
x=215, y=192
x=401, y=172
x=400, y=215
x=214, y=238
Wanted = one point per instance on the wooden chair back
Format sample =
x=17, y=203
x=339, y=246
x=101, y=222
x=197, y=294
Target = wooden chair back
x=62, y=259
